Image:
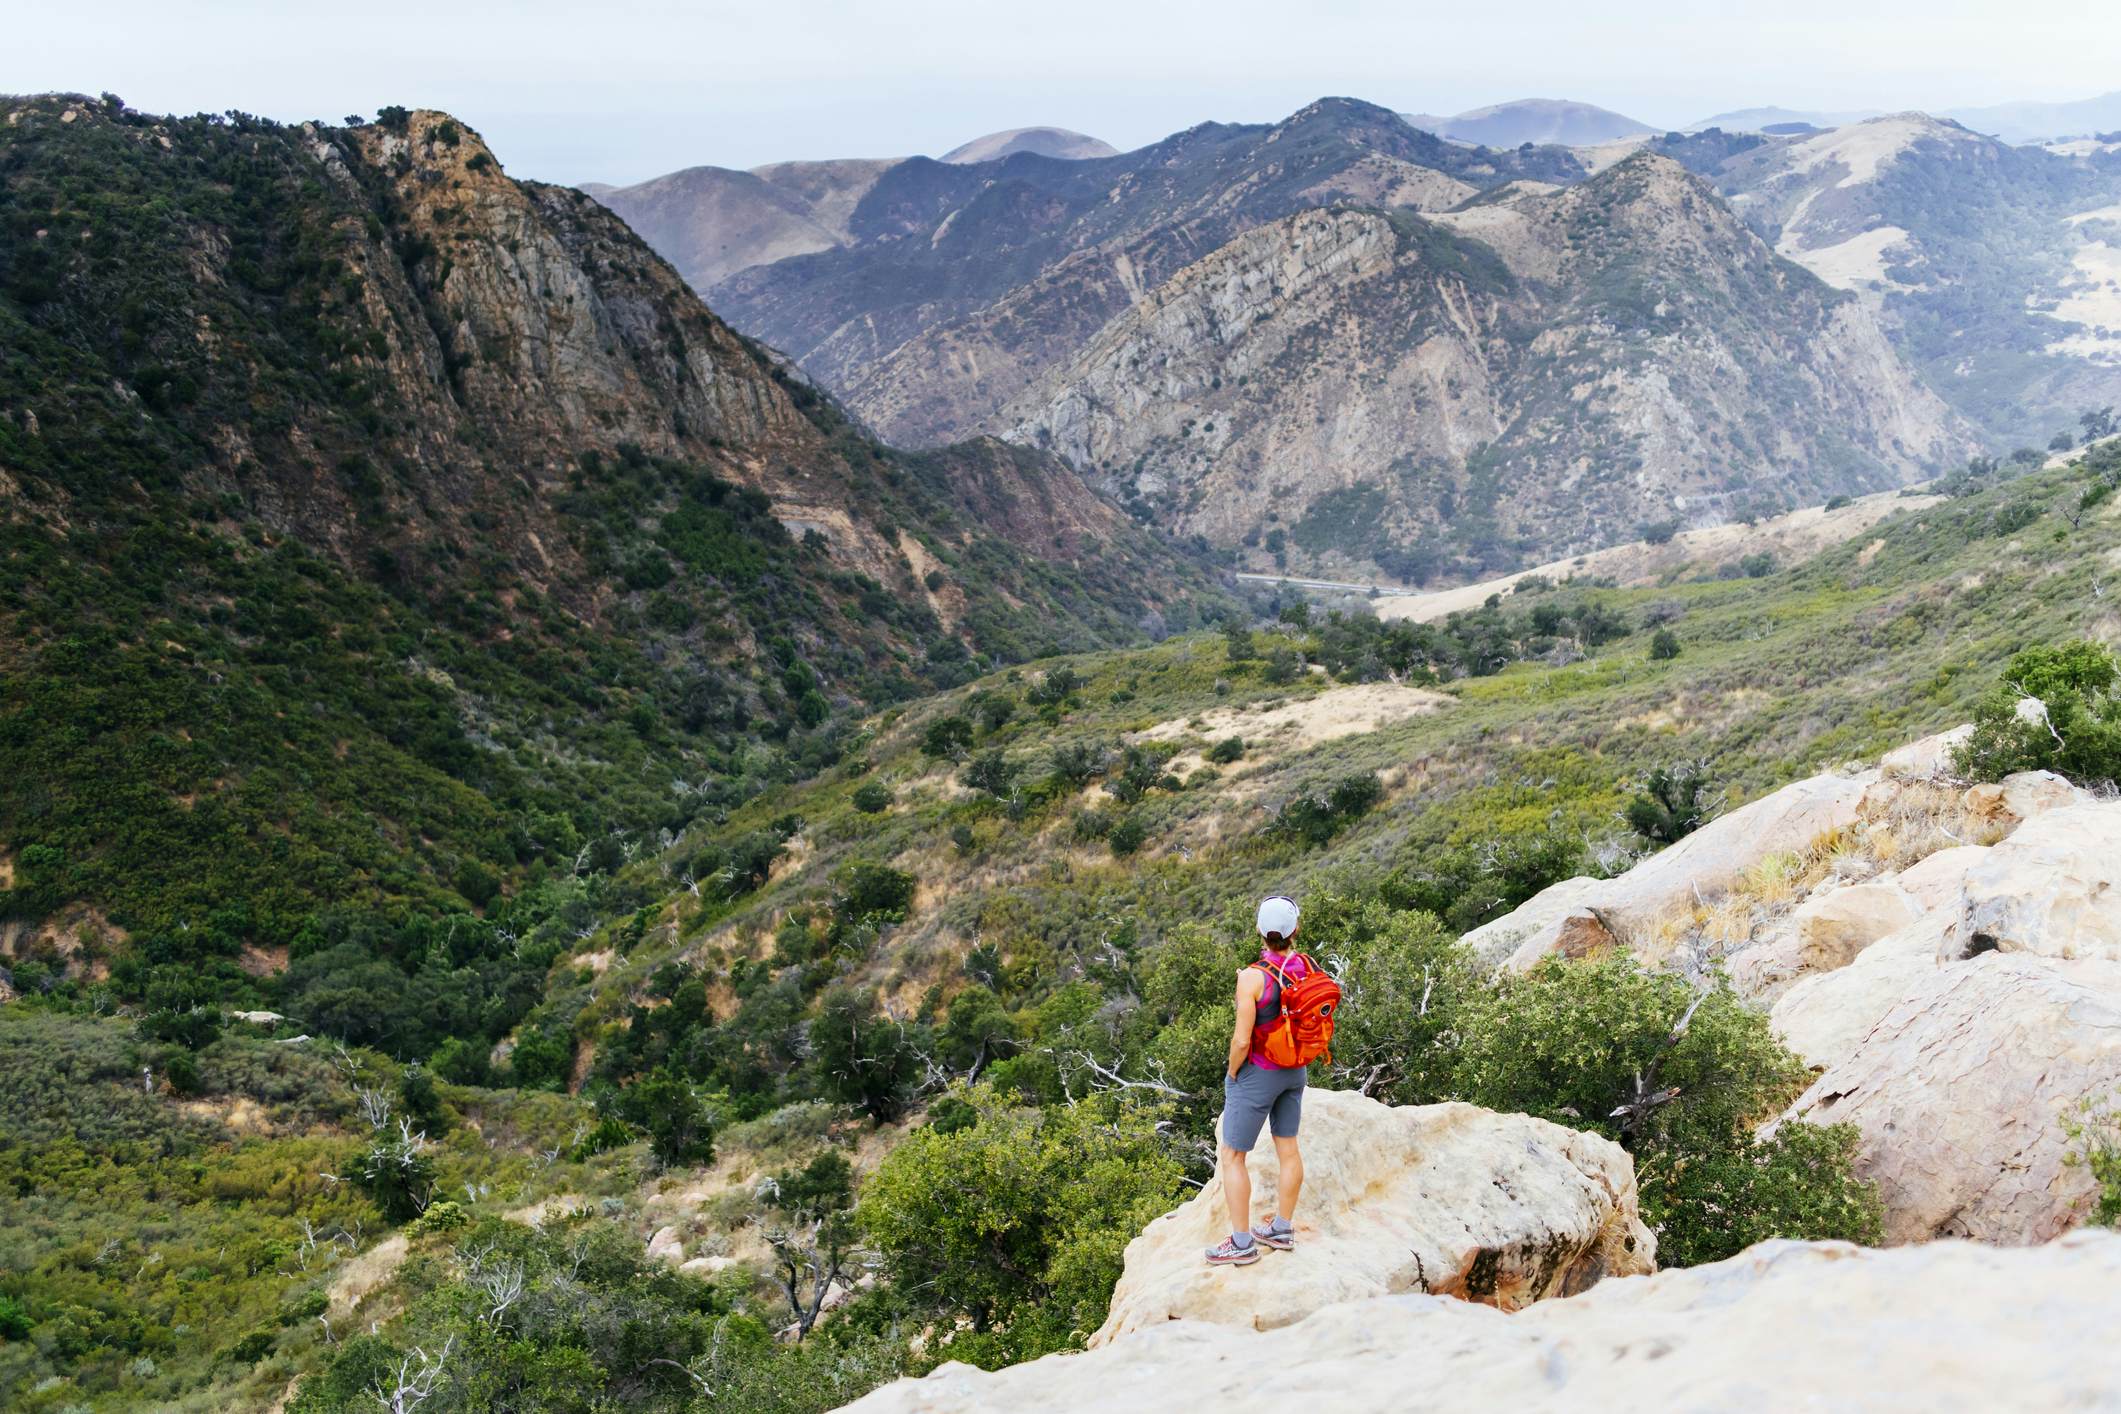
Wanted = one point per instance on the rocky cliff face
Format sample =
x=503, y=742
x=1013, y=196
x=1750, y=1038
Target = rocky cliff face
x=1536, y=374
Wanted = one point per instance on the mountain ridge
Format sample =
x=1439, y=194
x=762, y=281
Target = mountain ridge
x=1452, y=373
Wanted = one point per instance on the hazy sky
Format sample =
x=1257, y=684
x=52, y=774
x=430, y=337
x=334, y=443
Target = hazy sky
x=626, y=89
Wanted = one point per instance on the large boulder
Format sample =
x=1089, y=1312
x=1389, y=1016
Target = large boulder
x=1537, y=923
x=1698, y=869
x=1946, y=1327
x=1447, y=1199
x=1927, y=759
x=2010, y=802
x=2053, y=887
x=1961, y=1088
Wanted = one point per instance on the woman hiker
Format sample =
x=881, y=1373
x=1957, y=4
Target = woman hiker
x=1257, y=1092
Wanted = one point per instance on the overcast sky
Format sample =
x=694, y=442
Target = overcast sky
x=625, y=89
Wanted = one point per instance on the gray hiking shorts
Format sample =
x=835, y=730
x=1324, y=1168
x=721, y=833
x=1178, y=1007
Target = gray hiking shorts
x=1260, y=1095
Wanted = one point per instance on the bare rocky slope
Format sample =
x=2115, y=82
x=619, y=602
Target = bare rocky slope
x=1540, y=374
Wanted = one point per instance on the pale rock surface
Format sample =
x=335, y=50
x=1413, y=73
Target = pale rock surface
x=2017, y=798
x=1579, y=933
x=665, y=1247
x=1698, y=869
x=1831, y=928
x=1824, y=1016
x=1944, y=1328
x=706, y=1266
x=1448, y=1199
x=1927, y=758
x=1535, y=923
x=2053, y=887
x=1936, y=880
x=1960, y=1091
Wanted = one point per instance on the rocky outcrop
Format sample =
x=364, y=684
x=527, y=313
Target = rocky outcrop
x=1959, y=1043
x=1960, y=1092
x=1698, y=869
x=1929, y=758
x=1948, y=1327
x=1833, y=927
x=1452, y=1200
x=2053, y=888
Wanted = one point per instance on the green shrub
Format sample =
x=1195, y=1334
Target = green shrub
x=1664, y=646
x=1674, y=802
x=1229, y=749
x=1680, y=1079
x=992, y=772
x=1315, y=817
x=2079, y=733
x=872, y=798
x=2095, y=1137
x=1015, y=1218
x=1127, y=835
x=948, y=738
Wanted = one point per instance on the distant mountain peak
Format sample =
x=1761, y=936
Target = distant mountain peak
x=1560, y=121
x=1062, y=143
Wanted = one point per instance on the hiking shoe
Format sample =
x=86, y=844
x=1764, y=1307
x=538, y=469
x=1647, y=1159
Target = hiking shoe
x=1274, y=1233
x=1229, y=1254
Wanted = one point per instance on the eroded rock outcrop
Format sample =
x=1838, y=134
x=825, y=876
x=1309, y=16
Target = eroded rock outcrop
x=1452, y=1200
x=1960, y=1092
x=1699, y=868
x=2053, y=887
x=1945, y=1327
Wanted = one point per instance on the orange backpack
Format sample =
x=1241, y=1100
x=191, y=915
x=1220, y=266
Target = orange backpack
x=1303, y=1031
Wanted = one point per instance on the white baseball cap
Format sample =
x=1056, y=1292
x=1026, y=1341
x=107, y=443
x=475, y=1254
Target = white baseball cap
x=1278, y=915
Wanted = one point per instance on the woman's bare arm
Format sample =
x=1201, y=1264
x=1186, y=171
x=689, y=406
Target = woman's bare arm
x=1250, y=987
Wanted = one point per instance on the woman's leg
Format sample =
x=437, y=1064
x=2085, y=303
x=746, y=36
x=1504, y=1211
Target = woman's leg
x=1237, y=1186
x=1285, y=1119
x=1290, y=1185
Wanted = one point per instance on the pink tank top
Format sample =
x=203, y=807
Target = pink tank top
x=1292, y=966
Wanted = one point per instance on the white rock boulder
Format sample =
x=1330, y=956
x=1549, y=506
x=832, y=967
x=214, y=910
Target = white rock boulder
x=2053, y=887
x=665, y=1247
x=2015, y=799
x=1961, y=1088
x=1944, y=1328
x=1927, y=759
x=1448, y=1199
x=1698, y=869
x=1936, y=880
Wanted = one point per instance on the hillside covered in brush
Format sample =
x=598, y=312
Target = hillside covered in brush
x=378, y=527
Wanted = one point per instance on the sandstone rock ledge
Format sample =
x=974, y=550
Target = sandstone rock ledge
x=1452, y=1200
x=1783, y=1325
